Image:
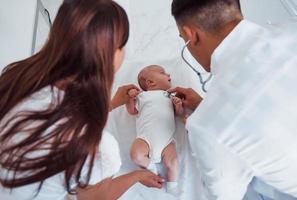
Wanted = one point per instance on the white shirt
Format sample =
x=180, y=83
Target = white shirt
x=107, y=161
x=247, y=124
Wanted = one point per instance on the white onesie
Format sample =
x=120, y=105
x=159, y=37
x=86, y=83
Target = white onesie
x=155, y=121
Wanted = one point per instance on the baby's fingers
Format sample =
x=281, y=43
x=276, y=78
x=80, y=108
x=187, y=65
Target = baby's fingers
x=158, y=182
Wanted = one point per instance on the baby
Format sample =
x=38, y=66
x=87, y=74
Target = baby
x=155, y=123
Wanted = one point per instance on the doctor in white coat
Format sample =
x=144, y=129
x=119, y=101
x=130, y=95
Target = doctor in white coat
x=246, y=127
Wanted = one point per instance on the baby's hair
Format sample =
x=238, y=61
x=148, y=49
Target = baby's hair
x=142, y=76
x=141, y=82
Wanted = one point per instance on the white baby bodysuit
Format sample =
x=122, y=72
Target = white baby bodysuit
x=155, y=121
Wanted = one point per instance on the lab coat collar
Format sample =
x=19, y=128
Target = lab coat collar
x=232, y=40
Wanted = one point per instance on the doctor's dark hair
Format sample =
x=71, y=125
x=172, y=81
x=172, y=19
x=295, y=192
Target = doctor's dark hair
x=209, y=15
x=65, y=136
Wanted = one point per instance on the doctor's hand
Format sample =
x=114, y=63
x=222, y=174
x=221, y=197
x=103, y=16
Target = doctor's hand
x=121, y=96
x=189, y=97
x=149, y=179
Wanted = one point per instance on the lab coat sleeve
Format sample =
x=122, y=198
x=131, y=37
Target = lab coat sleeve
x=224, y=175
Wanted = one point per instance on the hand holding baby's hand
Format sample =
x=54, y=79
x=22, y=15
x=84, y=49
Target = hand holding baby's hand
x=121, y=96
x=149, y=179
x=133, y=93
x=178, y=105
x=176, y=101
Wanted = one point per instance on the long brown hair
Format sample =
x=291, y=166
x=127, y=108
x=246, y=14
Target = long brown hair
x=81, y=44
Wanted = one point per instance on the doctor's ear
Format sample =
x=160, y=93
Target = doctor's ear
x=191, y=33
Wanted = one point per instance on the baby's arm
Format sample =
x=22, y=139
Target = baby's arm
x=178, y=106
x=130, y=106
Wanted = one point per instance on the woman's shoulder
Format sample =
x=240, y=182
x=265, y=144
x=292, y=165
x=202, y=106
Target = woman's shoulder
x=39, y=100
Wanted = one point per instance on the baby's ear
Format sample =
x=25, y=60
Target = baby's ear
x=150, y=83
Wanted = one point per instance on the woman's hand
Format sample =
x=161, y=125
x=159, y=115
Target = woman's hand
x=189, y=97
x=133, y=93
x=113, y=188
x=122, y=97
x=149, y=179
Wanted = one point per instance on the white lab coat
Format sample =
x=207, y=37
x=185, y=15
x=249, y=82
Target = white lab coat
x=247, y=125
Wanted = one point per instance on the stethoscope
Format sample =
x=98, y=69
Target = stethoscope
x=203, y=83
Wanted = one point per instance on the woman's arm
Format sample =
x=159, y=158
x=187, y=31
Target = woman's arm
x=113, y=188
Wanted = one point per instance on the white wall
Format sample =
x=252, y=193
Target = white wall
x=153, y=32
x=16, y=29
x=268, y=11
x=43, y=27
x=17, y=19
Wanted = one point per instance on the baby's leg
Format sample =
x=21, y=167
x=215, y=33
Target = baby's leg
x=169, y=157
x=139, y=153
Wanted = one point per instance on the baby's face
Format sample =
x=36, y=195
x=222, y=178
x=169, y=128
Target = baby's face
x=161, y=79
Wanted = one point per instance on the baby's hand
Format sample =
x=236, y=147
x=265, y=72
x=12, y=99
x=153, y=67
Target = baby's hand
x=176, y=101
x=133, y=93
x=132, y=101
x=178, y=105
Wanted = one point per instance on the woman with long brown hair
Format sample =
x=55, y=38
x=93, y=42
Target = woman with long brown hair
x=54, y=107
